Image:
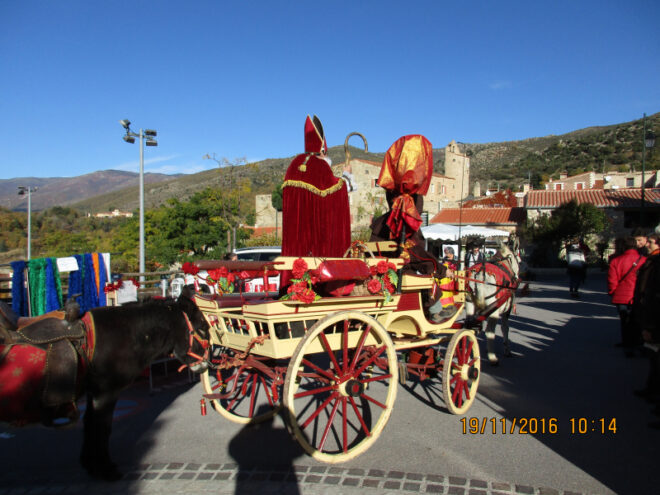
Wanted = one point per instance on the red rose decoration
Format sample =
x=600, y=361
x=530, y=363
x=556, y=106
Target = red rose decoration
x=299, y=268
x=382, y=267
x=372, y=270
x=374, y=286
x=391, y=266
x=230, y=278
x=307, y=296
x=389, y=286
x=190, y=268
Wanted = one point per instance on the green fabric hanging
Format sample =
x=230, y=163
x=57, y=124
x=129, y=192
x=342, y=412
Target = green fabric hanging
x=58, y=282
x=37, y=277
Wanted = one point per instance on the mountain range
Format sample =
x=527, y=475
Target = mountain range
x=509, y=163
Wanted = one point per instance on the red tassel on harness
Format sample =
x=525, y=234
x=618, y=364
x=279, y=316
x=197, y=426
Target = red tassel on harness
x=202, y=405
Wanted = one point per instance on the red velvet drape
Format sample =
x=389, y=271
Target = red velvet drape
x=316, y=216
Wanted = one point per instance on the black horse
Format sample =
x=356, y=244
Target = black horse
x=118, y=344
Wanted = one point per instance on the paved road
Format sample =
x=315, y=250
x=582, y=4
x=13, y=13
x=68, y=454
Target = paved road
x=565, y=366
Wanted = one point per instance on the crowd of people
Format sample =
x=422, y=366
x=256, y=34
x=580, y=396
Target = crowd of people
x=633, y=281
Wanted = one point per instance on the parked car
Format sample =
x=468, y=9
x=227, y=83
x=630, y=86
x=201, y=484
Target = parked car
x=266, y=253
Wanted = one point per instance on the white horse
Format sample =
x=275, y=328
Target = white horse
x=492, y=286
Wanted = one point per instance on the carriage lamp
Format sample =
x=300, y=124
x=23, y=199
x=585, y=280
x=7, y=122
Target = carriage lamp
x=649, y=142
x=146, y=138
x=22, y=191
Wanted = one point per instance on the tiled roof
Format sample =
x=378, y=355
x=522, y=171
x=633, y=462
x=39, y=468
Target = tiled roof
x=604, y=198
x=480, y=216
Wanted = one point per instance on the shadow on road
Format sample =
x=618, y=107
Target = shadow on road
x=567, y=369
x=24, y=452
x=264, y=453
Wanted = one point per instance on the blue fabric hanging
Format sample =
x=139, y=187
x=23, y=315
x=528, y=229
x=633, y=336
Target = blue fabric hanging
x=75, y=281
x=18, y=291
x=90, y=294
x=53, y=287
x=103, y=278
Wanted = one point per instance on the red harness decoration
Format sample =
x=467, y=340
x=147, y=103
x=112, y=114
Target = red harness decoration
x=192, y=336
x=505, y=280
x=89, y=342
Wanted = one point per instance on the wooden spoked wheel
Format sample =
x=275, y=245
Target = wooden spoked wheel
x=461, y=371
x=244, y=393
x=341, y=385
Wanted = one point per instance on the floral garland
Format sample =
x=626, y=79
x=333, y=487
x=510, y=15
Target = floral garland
x=190, y=268
x=111, y=287
x=383, y=279
x=222, y=279
x=301, y=283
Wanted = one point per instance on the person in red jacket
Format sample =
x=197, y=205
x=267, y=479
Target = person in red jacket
x=621, y=278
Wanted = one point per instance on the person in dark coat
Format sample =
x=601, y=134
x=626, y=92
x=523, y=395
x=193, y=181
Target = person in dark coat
x=621, y=278
x=646, y=318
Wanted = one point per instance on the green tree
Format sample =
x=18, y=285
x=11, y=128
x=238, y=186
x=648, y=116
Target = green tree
x=569, y=220
x=194, y=228
x=578, y=220
x=276, y=197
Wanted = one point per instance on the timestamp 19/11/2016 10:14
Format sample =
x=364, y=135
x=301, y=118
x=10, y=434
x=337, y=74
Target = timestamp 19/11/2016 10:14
x=533, y=426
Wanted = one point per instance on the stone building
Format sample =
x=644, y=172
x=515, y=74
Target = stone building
x=607, y=180
x=457, y=166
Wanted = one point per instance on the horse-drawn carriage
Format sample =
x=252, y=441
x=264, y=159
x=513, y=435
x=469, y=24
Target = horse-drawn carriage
x=333, y=363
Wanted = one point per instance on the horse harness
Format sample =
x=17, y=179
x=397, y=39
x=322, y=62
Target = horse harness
x=192, y=336
x=505, y=280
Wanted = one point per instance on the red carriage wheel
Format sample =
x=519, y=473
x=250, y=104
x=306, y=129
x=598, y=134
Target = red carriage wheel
x=341, y=385
x=244, y=393
x=461, y=371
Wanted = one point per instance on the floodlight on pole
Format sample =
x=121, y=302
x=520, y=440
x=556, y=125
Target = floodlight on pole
x=22, y=191
x=129, y=137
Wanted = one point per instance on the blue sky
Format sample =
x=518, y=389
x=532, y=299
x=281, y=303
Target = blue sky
x=237, y=78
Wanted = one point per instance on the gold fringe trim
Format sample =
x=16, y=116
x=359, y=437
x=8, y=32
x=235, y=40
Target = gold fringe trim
x=315, y=190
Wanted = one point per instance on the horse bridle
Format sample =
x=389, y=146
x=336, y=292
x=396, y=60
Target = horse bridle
x=192, y=336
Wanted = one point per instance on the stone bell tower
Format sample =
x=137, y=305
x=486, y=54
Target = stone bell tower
x=457, y=166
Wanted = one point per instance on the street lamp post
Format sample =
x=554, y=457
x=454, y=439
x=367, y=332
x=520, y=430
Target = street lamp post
x=22, y=190
x=146, y=138
x=649, y=142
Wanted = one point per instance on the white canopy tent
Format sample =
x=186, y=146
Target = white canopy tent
x=447, y=232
